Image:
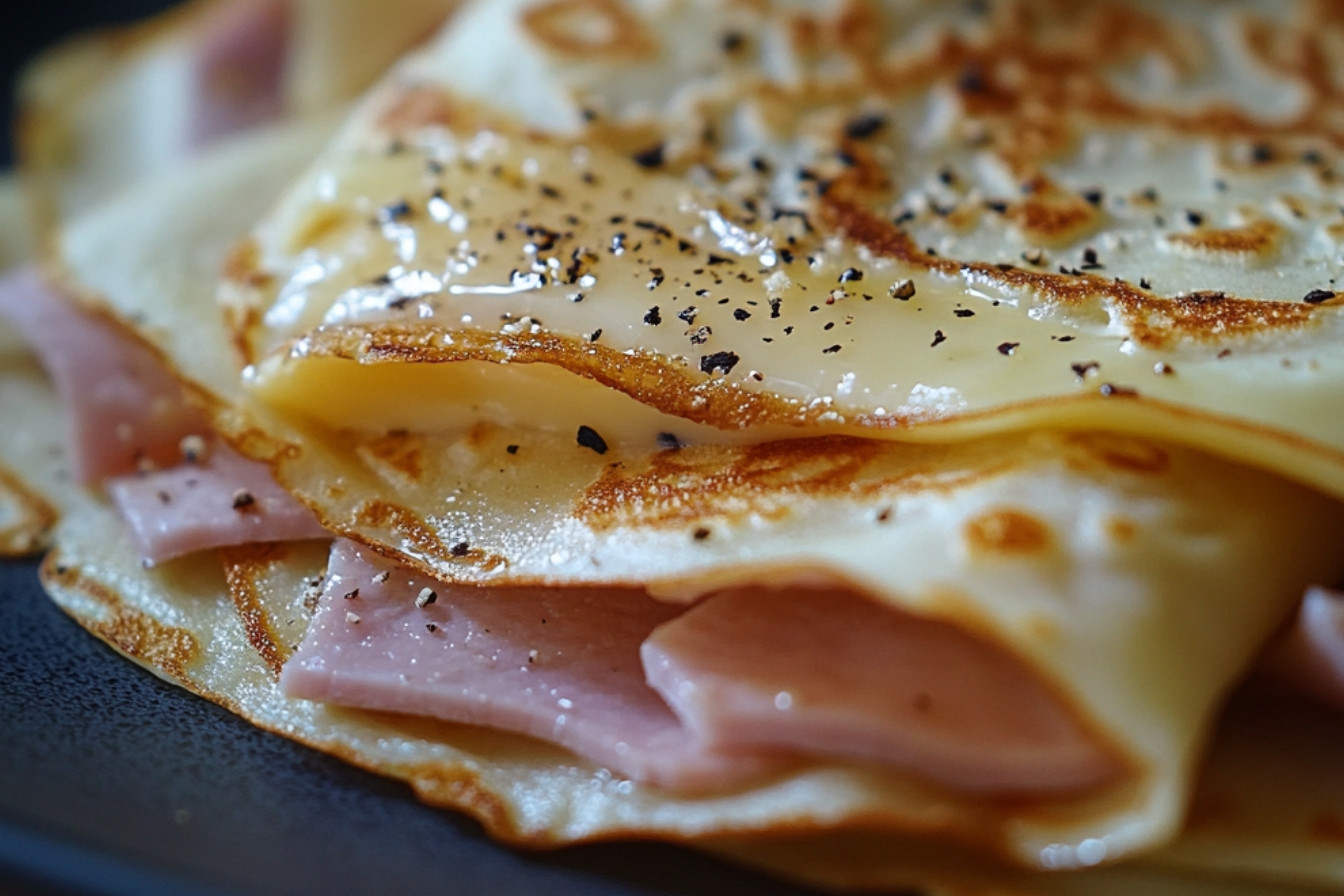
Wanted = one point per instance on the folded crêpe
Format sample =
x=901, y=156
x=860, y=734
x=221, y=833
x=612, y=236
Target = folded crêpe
x=588, y=315
x=107, y=107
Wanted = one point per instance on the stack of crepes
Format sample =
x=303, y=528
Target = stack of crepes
x=895, y=445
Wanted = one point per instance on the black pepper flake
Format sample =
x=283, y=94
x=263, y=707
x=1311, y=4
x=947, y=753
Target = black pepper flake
x=938, y=338
x=721, y=361
x=588, y=438
x=1144, y=284
x=864, y=127
x=997, y=206
x=653, y=317
x=1092, y=196
x=1195, y=218
x=351, y=594
x=830, y=349
x=788, y=331
x=512, y=449
x=431, y=627
x=700, y=335
x=1162, y=368
x=775, y=302
x=426, y=597
x=1262, y=153
x=963, y=312
x=1083, y=368
x=830, y=325
x=164, y=497
x=851, y=275
x=243, y=499
x=669, y=441
x=701, y=533
x=1007, y=348
x=461, y=549
x=971, y=80
x=394, y=212
x=1090, y=262
x=741, y=314
x=687, y=314
x=595, y=335
x=652, y=157
x=1317, y=296
x=718, y=259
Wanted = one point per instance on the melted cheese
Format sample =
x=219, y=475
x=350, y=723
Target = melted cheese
x=723, y=284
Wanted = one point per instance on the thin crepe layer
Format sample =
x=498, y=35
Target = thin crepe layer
x=1085, y=555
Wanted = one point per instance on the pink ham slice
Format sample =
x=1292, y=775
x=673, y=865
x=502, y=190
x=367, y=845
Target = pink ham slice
x=122, y=407
x=561, y=665
x=564, y=665
x=223, y=499
x=832, y=673
x=125, y=412
x=240, y=59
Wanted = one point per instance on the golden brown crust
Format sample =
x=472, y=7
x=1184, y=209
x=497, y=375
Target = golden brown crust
x=171, y=651
x=34, y=517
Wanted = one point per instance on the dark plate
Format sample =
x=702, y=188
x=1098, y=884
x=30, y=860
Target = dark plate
x=115, y=782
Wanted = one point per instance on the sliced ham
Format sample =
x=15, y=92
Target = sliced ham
x=558, y=664
x=123, y=409
x=240, y=61
x=219, y=500
x=831, y=673
x=750, y=675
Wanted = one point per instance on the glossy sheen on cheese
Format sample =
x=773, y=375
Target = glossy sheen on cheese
x=854, y=248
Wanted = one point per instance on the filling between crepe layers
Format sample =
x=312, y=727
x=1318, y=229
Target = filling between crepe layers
x=700, y=698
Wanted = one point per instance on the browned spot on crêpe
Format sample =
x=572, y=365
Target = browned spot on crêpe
x=1007, y=531
x=648, y=378
x=397, y=451
x=33, y=520
x=1258, y=241
x=598, y=29
x=700, y=482
x=244, y=568
x=170, y=650
x=1152, y=321
x=1051, y=216
x=769, y=479
x=419, y=537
